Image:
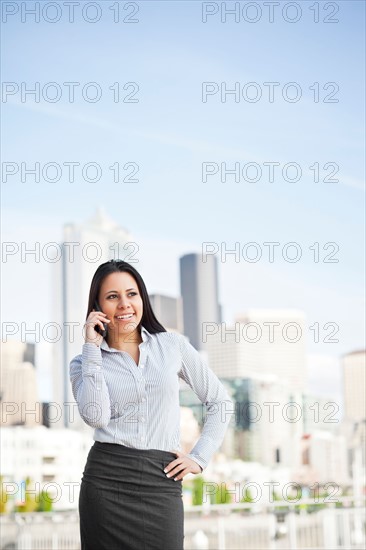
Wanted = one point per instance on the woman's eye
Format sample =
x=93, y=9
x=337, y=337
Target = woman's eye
x=130, y=294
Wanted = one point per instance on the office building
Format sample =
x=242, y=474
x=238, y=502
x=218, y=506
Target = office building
x=85, y=246
x=168, y=311
x=261, y=341
x=354, y=368
x=266, y=427
x=199, y=290
x=18, y=386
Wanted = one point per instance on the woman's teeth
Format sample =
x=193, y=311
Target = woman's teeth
x=125, y=316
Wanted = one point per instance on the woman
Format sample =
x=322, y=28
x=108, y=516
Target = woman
x=126, y=386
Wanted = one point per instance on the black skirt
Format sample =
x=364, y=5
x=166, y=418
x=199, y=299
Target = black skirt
x=126, y=501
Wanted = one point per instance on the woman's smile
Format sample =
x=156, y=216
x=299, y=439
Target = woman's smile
x=124, y=317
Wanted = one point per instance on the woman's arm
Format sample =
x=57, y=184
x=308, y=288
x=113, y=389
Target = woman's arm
x=211, y=392
x=89, y=387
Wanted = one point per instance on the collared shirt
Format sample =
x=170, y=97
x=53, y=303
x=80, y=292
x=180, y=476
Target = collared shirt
x=138, y=405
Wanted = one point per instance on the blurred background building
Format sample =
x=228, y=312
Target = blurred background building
x=354, y=384
x=20, y=405
x=199, y=290
x=85, y=246
x=169, y=311
x=261, y=342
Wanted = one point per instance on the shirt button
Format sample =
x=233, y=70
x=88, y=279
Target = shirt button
x=143, y=399
x=142, y=438
x=142, y=419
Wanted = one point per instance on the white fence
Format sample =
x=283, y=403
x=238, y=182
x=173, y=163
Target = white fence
x=330, y=528
x=214, y=527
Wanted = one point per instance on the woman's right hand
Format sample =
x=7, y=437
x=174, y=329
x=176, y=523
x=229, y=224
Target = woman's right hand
x=95, y=318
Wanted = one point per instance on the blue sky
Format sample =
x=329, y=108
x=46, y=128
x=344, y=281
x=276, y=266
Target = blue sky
x=170, y=132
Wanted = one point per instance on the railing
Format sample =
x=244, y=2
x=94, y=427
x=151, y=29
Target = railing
x=274, y=526
x=246, y=527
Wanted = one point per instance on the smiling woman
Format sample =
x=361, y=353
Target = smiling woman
x=126, y=386
x=122, y=304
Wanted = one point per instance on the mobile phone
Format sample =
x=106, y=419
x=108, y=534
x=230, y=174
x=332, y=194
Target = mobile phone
x=97, y=327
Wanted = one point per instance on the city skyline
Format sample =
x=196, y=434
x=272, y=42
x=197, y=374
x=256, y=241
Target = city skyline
x=166, y=281
x=328, y=355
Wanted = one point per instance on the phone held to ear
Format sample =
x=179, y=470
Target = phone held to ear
x=97, y=327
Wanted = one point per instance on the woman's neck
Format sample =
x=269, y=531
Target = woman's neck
x=125, y=341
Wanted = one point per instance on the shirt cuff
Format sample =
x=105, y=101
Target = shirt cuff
x=197, y=460
x=91, y=357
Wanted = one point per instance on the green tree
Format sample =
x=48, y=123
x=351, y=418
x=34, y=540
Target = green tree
x=247, y=497
x=3, y=497
x=197, y=490
x=45, y=502
x=31, y=500
x=222, y=496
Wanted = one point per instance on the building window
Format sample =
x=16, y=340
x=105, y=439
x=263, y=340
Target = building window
x=48, y=460
x=48, y=479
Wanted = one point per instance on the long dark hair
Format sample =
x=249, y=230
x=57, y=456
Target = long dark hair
x=148, y=320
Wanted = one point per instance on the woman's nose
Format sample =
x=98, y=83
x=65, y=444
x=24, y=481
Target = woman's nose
x=123, y=303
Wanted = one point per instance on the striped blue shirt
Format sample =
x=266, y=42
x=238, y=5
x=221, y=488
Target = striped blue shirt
x=138, y=405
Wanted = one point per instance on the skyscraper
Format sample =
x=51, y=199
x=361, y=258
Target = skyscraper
x=199, y=290
x=262, y=341
x=18, y=386
x=354, y=368
x=85, y=246
x=168, y=311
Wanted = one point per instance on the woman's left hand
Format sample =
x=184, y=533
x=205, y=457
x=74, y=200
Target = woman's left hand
x=182, y=466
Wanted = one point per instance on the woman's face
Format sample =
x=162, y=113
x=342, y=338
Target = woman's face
x=120, y=300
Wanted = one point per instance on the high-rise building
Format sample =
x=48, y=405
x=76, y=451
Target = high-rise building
x=15, y=352
x=354, y=368
x=266, y=426
x=168, y=311
x=18, y=386
x=85, y=246
x=320, y=414
x=199, y=290
x=261, y=342
x=323, y=459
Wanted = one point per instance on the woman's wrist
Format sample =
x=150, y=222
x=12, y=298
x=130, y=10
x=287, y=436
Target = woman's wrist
x=90, y=342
